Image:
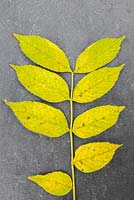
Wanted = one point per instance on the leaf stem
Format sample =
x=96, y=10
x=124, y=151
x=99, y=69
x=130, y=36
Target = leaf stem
x=71, y=136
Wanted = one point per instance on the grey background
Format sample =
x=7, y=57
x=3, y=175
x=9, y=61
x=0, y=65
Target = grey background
x=73, y=25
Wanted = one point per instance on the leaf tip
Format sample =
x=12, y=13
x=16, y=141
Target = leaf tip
x=121, y=39
x=16, y=35
x=12, y=66
x=122, y=108
x=121, y=66
x=119, y=146
x=6, y=101
x=31, y=178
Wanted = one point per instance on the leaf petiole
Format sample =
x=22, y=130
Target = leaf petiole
x=71, y=136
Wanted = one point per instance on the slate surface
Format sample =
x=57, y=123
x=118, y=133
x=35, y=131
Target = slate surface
x=73, y=25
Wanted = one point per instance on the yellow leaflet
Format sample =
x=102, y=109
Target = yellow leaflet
x=56, y=183
x=96, y=120
x=96, y=84
x=94, y=156
x=40, y=117
x=43, y=83
x=43, y=52
x=98, y=54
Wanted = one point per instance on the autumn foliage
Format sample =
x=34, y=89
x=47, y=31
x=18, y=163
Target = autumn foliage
x=49, y=121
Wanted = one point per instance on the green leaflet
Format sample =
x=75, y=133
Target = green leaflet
x=40, y=118
x=43, y=83
x=98, y=54
x=49, y=121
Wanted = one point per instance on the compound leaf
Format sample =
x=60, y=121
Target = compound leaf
x=55, y=183
x=43, y=52
x=40, y=118
x=43, y=83
x=94, y=156
x=98, y=54
x=96, y=120
x=96, y=84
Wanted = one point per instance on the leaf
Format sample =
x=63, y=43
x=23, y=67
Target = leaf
x=98, y=54
x=43, y=52
x=96, y=120
x=43, y=83
x=40, y=118
x=56, y=183
x=94, y=156
x=96, y=84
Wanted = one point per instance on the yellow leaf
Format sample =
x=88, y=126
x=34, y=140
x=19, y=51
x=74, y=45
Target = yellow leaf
x=56, y=183
x=96, y=84
x=43, y=83
x=98, y=54
x=94, y=156
x=96, y=120
x=40, y=118
x=43, y=52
